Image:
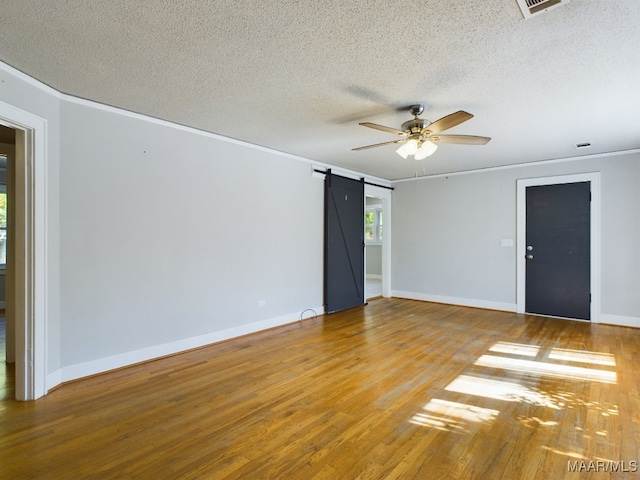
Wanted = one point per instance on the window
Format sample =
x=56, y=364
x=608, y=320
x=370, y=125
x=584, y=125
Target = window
x=373, y=225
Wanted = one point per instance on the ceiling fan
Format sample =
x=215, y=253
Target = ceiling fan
x=421, y=137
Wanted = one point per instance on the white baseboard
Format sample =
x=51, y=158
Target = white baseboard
x=465, y=302
x=101, y=365
x=53, y=379
x=374, y=276
x=620, y=320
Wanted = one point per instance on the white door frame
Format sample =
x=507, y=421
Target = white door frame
x=385, y=195
x=31, y=250
x=594, y=178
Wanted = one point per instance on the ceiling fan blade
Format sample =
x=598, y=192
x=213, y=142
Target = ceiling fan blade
x=383, y=128
x=460, y=139
x=448, y=122
x=377, y=145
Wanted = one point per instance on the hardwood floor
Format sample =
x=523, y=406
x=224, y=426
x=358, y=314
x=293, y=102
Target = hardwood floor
x=396, y=389
x=7, y=376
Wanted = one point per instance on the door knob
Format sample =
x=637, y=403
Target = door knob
x=528, y=256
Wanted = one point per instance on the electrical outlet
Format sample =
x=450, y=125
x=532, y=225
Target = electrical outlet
x=262, y=303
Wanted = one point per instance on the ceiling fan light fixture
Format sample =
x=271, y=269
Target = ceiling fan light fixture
x=411, y=147
x=426, y=149
x=402, y=151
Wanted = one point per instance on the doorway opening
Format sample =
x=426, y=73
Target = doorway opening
x=526, y=253
x=7, y=330
x=373, y=237
x=27, y=254
x=377, y=235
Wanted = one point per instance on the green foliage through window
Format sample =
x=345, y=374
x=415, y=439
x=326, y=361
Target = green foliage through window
x=373, y=225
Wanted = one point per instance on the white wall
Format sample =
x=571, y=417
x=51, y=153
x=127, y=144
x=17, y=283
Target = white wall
x=374, y=259
x=168, y=235
x=447, y=233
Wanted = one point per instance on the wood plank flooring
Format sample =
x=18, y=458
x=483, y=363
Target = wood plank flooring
x=397, y=389
x=7, y=375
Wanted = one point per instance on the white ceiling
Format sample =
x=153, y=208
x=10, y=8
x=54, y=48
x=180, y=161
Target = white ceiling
x=298, y=76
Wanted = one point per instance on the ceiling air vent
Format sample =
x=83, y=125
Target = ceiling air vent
x=531, y=8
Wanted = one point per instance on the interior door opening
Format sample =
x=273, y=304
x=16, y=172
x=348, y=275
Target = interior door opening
x=7, y=317
x=374, y=239
x=27, y=251
x=380, y=198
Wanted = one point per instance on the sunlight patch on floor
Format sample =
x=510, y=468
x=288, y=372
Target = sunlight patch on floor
x=515, y=349
x=535, y=422
x=500, y=390
x=566, y=454
x=582, y=356
x=456, y=417
x=452, y=416
x=547, y=369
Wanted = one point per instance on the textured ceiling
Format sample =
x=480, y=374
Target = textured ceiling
x=298, y=76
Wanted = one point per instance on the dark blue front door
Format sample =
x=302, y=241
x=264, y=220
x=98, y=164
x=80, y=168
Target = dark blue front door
x=558, y=242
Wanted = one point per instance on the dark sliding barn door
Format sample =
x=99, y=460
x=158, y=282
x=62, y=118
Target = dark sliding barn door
x=344, y=243
x=558, y=255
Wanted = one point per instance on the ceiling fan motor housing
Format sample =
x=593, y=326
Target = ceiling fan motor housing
x=415, y=125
